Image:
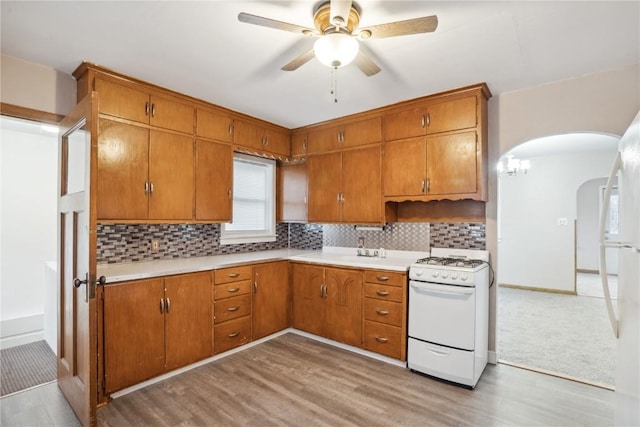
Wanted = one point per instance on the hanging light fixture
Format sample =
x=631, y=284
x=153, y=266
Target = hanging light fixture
x=511, y=166
x=336, y=49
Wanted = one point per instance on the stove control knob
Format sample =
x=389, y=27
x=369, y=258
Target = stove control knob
x=464, y=276
x=454, y=276
x=445, y=275
x=435, y=274
x=418, y=272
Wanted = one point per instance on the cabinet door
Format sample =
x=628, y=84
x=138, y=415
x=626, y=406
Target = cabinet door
x=452, y=115
x=277, y=142
x=451, y=164
x=123, y=101
x=214, y=126
x=299, y=144
x=308, y=303
x=324, y=174
x=362, y=185
x=363, y=132
x=292, y=192
x=344, y=306
x=323, y=139
x=169, y=113
x=247, y=135
x=214, y=181
x=404, y=123
x=271, y=298
x=404, y=167
x=170, y=176
x=123, y=155
x=188, y=317
x=133, y=332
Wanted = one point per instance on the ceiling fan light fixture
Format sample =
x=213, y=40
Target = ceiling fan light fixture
x=336, y=50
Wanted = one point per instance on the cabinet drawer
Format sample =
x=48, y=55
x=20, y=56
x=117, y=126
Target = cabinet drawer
x=232, y=289
x=233, y=274
x=232, y=334
x=384, y=277
x=384, y=292
x=231, y=308
x=383, y=339
x=383, y=311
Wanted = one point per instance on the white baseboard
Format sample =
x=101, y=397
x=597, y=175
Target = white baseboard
x=22, y=330
x=492, y=358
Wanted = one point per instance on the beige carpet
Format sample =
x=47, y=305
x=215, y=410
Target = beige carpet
x=26, y=366
x=566, y=334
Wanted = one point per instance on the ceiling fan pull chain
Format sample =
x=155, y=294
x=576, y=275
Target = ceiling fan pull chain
x=334, y=83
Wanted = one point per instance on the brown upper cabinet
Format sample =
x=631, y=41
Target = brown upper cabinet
x=261, y=138
x=299, y=144
x=214, y=181
x=213, y=125
x=431, y=118
x=348, y=134
x=292, y=193
x=144, y=173
x=436, y=149
x=346, y=186
x=135, y=104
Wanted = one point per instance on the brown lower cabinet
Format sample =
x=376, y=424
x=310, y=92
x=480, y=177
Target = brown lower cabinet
x=154, y=326
x=271, y=298
x=328, y=302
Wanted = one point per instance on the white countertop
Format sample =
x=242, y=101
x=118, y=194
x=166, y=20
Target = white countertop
x=395, y=261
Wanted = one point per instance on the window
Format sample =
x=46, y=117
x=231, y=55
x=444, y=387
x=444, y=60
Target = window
x=253, y=201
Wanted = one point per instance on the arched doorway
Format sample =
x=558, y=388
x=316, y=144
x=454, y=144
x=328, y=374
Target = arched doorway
x=541, y=321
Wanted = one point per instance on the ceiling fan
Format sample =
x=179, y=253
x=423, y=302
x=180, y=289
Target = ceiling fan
x=336, y=26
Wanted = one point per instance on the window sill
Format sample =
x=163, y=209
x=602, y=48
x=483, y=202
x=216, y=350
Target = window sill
x=247, y=239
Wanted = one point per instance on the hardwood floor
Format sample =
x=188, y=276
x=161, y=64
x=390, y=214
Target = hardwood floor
x=293, y=380
x=296, y=381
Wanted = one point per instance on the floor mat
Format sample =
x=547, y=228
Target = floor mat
x=26, y=366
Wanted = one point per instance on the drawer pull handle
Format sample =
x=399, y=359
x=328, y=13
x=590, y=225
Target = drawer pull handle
x=382, y=278
x=382, y=312
x=233, y=290
x=233, y=275
x=382, y=293
x=233, y=334
x=382, y=339
x=233, y=308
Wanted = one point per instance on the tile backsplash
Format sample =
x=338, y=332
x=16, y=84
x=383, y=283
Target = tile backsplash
x=132, y=242
x=409, y=236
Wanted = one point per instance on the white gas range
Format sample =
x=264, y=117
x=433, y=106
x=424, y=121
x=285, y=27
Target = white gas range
x=449, y=315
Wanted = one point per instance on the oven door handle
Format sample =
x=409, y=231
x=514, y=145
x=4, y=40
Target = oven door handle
x=441, y=289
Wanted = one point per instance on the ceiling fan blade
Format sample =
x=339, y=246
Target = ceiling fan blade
x=278, y=25
x=299, y=61
x=426, y=24
x=366, y=65
x=339, y=12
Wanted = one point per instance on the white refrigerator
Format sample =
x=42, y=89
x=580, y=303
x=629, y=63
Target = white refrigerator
x=625, y=318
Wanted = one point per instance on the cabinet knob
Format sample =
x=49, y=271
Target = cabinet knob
x=232, y=290
x=382, y=293
x=153, y=110
x=161, y=305
x=146, y=108
x=382, y=312
x=382, y=278
x=233, y=334
x=382, y=339
x=233, y=275
x=233, y=308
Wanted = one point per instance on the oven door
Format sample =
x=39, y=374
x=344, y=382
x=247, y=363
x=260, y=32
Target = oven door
x=442, y=314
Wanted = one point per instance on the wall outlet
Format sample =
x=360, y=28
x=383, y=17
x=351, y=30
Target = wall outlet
x=361, y=242
x=155, y=245
x=563, y=221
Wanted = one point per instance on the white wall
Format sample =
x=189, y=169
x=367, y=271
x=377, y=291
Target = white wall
x=28, y=205
x=535, y=251
x=35, y=86
x=602, y=102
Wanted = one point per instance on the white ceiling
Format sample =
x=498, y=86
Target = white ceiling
x=200, y=48
x=566, y=143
